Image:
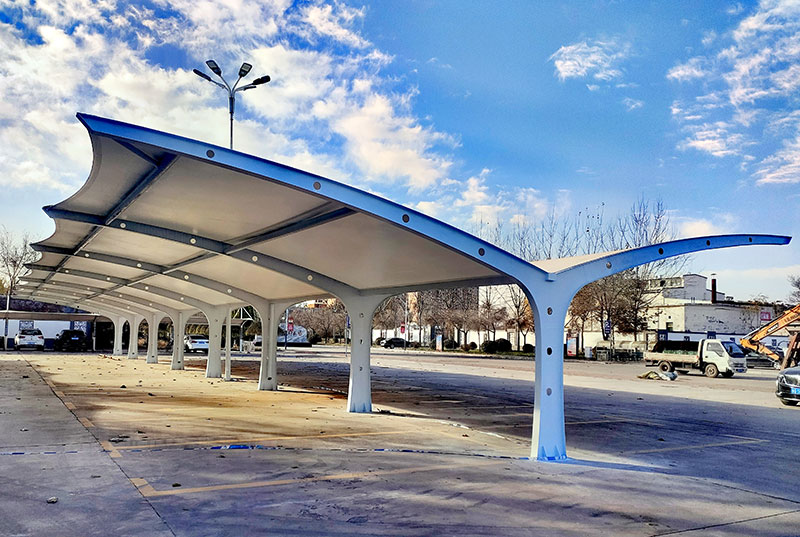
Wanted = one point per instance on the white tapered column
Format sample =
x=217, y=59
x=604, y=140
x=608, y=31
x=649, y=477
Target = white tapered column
x=133, y=336
x=216, y=317
x=268, y=373
x=361, y=310
x=152, y=338
x=549, y=439
x=119, y=323
x=179, y=329
x=228, y=345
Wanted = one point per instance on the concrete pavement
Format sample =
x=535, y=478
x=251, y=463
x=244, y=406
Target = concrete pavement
x=46, y=452
x=202, y=457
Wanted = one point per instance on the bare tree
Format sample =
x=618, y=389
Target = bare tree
x=14, y=255
x=324, y=322
x=581, y=311
x=517, y=308
x=390, y=314
x=794, y=281
x=421, y=305
x=490, y=316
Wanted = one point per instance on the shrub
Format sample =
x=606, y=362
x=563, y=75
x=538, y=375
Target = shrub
x=503, y=345
x=315, y=339
x=449, y=344
x=465, y=347
x=528, y=348
x=489, y=347
x=473, y=345
x=379, y=340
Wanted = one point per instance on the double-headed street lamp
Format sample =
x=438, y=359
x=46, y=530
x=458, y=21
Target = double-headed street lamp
x=243, y=71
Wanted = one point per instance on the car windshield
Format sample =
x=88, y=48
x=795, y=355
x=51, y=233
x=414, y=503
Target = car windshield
x=31, y=332
x=733, y=349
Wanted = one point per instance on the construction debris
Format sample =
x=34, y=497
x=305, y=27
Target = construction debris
x=659, y=375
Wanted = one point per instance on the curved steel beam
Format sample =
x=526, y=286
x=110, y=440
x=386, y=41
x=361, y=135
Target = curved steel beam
x=157, y=306
x=154, y=269
x=166, y=293
x=274, y=264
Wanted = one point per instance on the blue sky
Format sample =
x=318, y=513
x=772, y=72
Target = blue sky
x=470, y=111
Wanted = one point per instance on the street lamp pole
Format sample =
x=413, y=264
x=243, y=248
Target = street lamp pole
x=232, y=90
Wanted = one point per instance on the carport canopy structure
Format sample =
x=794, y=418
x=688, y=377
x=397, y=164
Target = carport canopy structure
x=168, y=226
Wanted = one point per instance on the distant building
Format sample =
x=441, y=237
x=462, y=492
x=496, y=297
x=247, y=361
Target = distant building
x=684, y=304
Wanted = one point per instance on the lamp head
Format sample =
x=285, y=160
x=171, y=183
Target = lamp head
x=244, y=69
x=260, y=80
x=214, y=67
x=201, y=74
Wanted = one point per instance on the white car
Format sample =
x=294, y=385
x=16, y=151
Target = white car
x=29, y=338
x=195, y=343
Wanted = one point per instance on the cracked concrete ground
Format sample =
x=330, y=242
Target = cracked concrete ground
x=444, y=452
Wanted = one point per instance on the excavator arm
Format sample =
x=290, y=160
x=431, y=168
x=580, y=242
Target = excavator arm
x=752, y=340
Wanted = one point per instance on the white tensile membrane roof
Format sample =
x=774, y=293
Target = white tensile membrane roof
x=167, y=226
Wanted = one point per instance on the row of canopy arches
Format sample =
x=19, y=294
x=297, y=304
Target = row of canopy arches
x=169, y=225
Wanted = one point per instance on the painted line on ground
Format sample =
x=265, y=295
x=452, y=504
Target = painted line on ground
x=62, y=452
x=258, y=439
x=86, y=422
x=110, y=449
x=148, y=491
x=742, y=440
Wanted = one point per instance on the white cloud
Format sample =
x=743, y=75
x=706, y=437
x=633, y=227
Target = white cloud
x=698, y=228
x=431, y=208
x=632, y=104
x=782, y=167
x=735, y=9
x=388, y=146
x=715, y=139
x=708, y=38
x=590, y=58
x=476, y=191
x=750, y=77
x=328, y=109
x=334, y=21
x=687, y=71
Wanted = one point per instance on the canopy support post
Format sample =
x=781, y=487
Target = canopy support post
x=549, y=438
x=119, y=323
x=216, y=316
x=228, y=344
x=361, y=309
x=152, y=338
x=179, y=330
x=133, y=336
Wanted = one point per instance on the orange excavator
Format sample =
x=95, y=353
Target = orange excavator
x=753, y=340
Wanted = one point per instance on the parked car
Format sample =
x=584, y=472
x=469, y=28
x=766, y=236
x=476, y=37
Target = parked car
x=29, y=338
x=788, y=386
x=195, y=343
x=71, y=340
x=396, y=342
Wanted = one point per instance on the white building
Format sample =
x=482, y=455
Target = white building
x=684, y=304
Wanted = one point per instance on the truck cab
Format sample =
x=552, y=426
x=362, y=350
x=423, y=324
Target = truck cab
x=727, y=357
